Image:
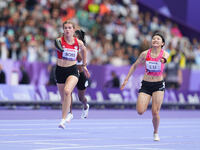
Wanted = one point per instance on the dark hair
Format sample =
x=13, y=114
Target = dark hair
x=160, y=35
x=80, y=34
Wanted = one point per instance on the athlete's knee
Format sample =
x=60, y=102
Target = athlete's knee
x=155, y=113
x=140, y=111
x=82, y=99
x=67, y=92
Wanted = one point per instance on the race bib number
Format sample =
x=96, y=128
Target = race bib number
x=153, y=66
x=69, y=54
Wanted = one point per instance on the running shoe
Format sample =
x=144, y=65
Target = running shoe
x=156, y=137
x=62, y=124
x=85, y=112
x=69, y=117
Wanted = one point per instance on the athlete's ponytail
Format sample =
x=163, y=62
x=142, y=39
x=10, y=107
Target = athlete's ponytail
x=80, y=34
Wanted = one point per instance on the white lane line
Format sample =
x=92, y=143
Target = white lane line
x=48, y=140
x=96, y=122
x=56, y=128
x=71, y=133
x=99, y=127
x=107, y=146
x=153, y=148
x=29, y=129
x=27, y=124
x=61, y=144
x=179, y=126
x=75, y=123
x=113, y=138
x=72, y=128
x=140, y=121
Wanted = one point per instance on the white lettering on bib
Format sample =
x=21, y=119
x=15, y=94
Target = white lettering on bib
x=69, y=54
x=153, y=66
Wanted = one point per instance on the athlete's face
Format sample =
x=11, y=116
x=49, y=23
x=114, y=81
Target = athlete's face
x=68, y=30
x=157, y=41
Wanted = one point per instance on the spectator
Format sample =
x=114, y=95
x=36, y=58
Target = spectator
x=2, y=75
x=197, y=55
x=190, y=56
x=25, y=77
x=3, y=48
x=28, y=35
x=114, y=82
x=132, y=54
x=173, y=73
x=52, y=76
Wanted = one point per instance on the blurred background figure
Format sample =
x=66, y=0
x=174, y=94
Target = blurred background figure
x=27, y=35
x=173, y=73
x=25, y=79
x=2, y=75
x=52, y=77
x=114, y=82
x=3, y=48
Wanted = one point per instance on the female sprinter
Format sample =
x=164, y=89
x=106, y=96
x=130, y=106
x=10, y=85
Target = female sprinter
x=82, y=83
x=67, y=74
x=152, y=85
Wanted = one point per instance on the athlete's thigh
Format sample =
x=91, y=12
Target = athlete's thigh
x=143, y=101
x=71, y=82
x=157, y=99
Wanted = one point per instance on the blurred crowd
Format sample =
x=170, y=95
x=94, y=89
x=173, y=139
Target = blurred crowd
x=117, y=32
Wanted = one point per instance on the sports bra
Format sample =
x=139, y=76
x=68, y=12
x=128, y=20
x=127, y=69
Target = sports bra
x=153, y=66
x=70, y=51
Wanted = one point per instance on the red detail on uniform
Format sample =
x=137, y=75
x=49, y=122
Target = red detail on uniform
x=66, y=45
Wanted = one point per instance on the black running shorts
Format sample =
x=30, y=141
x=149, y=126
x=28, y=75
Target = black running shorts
x=150, y=87
x=82, y=82
x=62, y=73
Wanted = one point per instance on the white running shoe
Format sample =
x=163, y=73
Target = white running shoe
x=69, y=117
x=62, y=124
x=85, y=112
x=156, y=137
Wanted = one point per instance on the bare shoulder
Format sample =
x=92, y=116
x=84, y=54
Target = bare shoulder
x=144, y=54
x=81, y=45
x=80, y=42
x=142, y=57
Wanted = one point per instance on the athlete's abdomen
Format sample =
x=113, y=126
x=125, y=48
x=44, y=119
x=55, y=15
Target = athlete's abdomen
x=65, y=63
x=151, y=78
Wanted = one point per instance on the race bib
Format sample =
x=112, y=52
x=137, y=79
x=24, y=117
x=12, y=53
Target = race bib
x=69, y=54
x=153, y=66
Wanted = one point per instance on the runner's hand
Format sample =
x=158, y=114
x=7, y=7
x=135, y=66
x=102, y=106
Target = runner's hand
x=79, y=57
x=124, y=84
x=86, y=72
